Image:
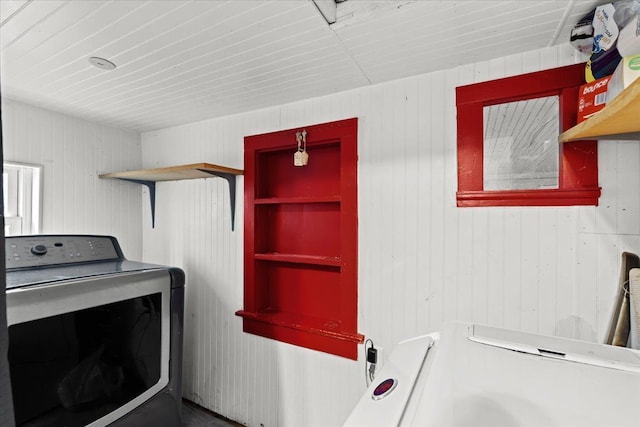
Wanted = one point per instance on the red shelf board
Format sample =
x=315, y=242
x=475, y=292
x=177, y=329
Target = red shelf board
x=313, y=333
x=292, y=200
x=300, y=259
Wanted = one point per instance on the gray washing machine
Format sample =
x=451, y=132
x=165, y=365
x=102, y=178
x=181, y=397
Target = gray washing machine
x=94, y=339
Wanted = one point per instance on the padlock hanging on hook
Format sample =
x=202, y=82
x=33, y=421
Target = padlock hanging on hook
x=301, y=157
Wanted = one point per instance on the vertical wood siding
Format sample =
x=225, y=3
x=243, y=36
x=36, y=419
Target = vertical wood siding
x=73, y=152
x=422, y=261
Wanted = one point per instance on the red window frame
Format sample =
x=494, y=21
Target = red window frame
x=578, y=166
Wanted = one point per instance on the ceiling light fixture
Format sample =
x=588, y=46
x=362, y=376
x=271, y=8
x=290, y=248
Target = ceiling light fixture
x=102, y=63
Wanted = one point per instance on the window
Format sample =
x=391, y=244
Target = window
x=22, y=198
x=520, y=151
x=301, y=239
x=508, y=154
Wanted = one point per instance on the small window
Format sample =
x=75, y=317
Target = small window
x=508, y=154
x=520, y=149
x=22, y=184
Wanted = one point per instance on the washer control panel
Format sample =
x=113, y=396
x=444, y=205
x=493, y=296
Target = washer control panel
x=40, y=251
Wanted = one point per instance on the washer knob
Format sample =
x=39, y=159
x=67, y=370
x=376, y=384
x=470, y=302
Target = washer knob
x=39, y=250
x=384, y=388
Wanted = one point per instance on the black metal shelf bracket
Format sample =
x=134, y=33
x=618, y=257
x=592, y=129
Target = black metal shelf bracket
x=151, y=185
x=231, y=179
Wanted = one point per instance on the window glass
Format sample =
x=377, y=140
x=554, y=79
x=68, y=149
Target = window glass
x=520, y=148
x=73, y=368
x=22, y=198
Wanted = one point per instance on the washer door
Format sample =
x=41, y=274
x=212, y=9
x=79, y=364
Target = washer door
x=86, y=352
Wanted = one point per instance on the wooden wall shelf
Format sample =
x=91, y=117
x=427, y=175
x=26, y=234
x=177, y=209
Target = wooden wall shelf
x=149, y=177
x=619, y=120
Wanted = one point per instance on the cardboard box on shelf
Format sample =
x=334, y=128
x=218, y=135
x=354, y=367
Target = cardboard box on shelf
x=629, y=38
x=626, y=72
x=592, y=98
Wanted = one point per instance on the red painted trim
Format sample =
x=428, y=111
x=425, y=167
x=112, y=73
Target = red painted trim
x=470, y=150
x=285, y=292
x=249, y=227
x=579, y=160
x=291, y=335
x=296, y=322
x=588, y=197
x=523, y=86
x=578, y=169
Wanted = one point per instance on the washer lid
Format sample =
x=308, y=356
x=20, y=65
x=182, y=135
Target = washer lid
x=40, y=276
x=386, y=398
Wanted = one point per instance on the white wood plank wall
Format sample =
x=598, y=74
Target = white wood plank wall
x=73, y=152
x=422, y=261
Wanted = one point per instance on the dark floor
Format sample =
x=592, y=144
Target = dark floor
x=195, y=416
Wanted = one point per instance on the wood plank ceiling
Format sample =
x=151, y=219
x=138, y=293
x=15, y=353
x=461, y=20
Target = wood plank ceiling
x=184, y=61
